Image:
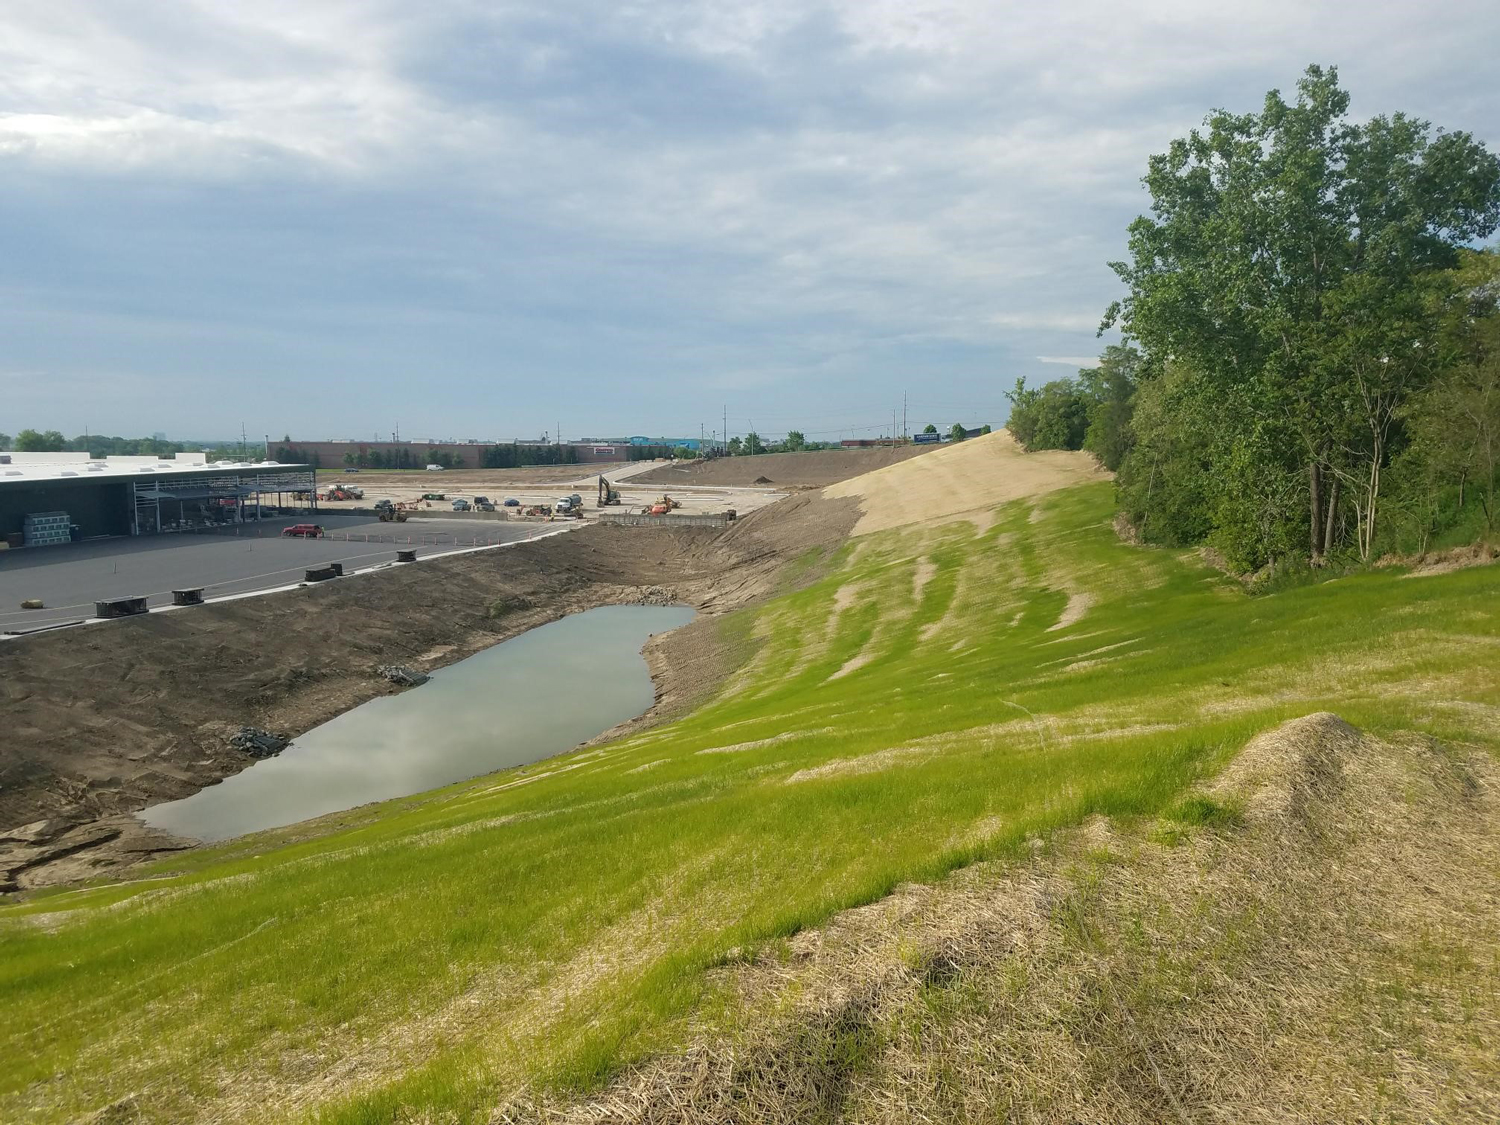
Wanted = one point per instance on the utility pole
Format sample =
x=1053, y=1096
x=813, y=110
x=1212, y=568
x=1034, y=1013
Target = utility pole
x=905, y=429
x=726, y=427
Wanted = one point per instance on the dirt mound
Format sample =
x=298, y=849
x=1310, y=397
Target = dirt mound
x=964, y=481
x=1307, y=939
x=811, y=469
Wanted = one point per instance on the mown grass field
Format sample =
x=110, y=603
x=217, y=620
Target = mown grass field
x=936, y=697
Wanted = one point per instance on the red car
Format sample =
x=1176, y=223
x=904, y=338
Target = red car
x=304, y=531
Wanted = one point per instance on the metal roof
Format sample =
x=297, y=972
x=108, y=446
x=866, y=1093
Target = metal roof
x=34, y=468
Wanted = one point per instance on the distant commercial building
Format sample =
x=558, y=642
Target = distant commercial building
x=55, y=497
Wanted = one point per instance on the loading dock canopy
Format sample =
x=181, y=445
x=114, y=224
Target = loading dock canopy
x=131, y=495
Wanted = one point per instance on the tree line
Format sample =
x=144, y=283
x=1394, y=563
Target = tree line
x=100, y=445
x=1310, y=365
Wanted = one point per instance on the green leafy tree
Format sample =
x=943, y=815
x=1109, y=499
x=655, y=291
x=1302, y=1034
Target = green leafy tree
x=929, y=429
x=31, y=441
x=957, y=432
x=735, y=447
x=796, y=440
x=985, y=429
x=5, y=442
x=1282, y=261
x=1109, y=391
x=753, y=444
x=1054, y=416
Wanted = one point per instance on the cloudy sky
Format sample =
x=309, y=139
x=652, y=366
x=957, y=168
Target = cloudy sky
x=486, y=218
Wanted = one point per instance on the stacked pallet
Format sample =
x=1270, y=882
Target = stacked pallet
x=44, y=529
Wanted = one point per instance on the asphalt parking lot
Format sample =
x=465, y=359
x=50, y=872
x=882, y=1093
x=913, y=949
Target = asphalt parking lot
x=70, y=578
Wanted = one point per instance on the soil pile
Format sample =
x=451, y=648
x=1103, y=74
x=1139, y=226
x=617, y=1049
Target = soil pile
x=964, y=481
x=811, y=469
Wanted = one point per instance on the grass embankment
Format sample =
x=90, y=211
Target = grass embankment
x=938, y=697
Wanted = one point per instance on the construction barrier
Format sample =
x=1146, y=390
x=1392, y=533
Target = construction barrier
x=625, y=519
x=120, y=607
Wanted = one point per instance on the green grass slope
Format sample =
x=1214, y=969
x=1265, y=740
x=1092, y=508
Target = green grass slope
x=940, y=695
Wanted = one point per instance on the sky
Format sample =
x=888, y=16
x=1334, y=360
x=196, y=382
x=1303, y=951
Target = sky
x=487, y=219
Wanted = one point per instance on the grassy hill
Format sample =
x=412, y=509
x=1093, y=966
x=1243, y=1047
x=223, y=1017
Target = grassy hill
x=943, y=693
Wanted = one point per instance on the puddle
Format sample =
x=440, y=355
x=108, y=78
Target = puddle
x=527, y=698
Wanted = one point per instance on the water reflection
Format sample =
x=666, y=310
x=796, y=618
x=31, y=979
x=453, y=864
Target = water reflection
x=528, y=698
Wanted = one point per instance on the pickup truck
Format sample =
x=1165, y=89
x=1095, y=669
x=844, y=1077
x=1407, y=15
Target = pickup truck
x=303, y=531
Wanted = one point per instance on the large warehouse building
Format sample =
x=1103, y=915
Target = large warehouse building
x=48, y=498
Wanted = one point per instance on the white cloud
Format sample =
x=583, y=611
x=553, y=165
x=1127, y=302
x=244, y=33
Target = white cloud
x=1071, y=360
x=802, y=190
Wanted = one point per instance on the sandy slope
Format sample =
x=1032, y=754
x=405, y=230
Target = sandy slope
x=964, y=481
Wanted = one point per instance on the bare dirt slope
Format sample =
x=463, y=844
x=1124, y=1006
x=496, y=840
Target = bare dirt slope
x=105, y=720
x=1323, y=954
x=964, y=481
x=812, y=469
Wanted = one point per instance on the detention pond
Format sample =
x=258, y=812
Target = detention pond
x=527, y=698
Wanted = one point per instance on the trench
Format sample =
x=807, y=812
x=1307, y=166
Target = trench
x=525, y=699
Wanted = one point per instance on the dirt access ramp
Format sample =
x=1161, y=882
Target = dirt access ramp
x=963, y=481
x=809, y=469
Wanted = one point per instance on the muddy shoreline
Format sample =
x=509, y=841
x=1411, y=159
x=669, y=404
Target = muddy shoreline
x=111, y=719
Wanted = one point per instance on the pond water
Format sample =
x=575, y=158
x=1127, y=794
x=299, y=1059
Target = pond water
x=527, y=698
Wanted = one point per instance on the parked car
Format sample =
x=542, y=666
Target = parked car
x=384, y=506
x=303, y=531
x=460, y=505
x=434, y=468
x=512, y=502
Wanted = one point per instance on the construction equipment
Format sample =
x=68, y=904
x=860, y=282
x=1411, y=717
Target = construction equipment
x=538, y=510
x=668, y=503
x=607, y=495
x=391, y=515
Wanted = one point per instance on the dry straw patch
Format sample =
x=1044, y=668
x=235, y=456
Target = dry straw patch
x=967, y=481
x=1324, y=954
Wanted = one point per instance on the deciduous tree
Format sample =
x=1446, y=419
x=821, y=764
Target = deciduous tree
x=1283, y=260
